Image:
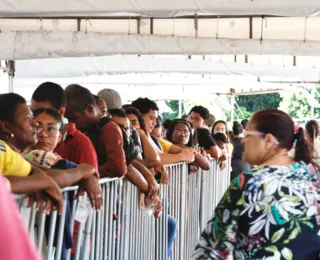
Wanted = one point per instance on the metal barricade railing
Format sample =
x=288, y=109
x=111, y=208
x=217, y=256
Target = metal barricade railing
x=142, y=237
x=178, y=176
x=189, y=198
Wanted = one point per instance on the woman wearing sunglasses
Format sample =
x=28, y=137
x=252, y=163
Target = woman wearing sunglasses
x=273, y=211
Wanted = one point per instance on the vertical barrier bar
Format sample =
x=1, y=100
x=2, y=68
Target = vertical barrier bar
x=42, y=223
x=51, y=234
x=61, y=226
x=189, y=199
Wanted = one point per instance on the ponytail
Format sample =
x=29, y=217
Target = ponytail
x=303, y=150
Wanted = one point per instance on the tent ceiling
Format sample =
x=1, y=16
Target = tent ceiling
x=52, y=38
x=49, y=44
x=157, y=8
x=117, y=65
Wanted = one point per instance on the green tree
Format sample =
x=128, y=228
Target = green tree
x=174, y=106
x=253, y=103
x=297, y=106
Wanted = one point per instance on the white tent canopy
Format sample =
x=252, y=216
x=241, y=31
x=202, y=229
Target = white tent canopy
x=157, y=8
x=189, y=35
x=113, y=65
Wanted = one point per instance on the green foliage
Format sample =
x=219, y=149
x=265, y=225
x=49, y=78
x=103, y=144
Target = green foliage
x=244, y=112
x=253, y=103
x=174, y=106
x=297, y=106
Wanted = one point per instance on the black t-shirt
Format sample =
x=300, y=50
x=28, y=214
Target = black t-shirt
x=238, y=148
x=204, y=138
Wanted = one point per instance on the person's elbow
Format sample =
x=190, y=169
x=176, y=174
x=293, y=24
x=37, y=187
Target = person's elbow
x=205, y=166
x=215, y=152
x=121, y=169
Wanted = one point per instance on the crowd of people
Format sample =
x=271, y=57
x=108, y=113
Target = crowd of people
x=73, y=137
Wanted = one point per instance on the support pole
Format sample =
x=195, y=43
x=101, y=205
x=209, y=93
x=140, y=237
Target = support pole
x=232, y=99
x=11, y=71
x=180, y=108
x=312, y=104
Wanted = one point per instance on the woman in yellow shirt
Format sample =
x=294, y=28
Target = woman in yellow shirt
x=25, y=178
x=19, y=130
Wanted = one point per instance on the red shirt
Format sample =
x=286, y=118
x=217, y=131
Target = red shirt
x=112, y=159
x=15, y=242
x=77, y=148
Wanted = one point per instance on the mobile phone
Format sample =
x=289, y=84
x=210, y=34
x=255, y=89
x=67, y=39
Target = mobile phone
x=196, y=146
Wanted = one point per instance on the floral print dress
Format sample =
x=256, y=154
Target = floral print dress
x=271, y=212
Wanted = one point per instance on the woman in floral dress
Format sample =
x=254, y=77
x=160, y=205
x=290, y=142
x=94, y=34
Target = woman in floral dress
x=273, y=211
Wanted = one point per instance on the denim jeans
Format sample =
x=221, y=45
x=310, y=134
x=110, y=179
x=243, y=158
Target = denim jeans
x=172, y=231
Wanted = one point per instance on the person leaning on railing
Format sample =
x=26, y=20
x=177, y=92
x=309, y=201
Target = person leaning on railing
x=273, y=210
x=18, y=129
x=180, y=134
x=26, y=178
x=199, y=116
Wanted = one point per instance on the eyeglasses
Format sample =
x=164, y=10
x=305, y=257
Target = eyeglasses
x=255, y=133
x=178, y=131
x=51, y=130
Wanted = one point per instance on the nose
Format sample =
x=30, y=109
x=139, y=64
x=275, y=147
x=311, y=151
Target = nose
x=42, y=133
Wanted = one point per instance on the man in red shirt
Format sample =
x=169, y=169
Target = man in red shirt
x=76, y=147
x=83, y=111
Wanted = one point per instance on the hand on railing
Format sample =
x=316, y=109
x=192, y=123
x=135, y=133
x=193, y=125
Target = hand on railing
x=158, y=210
x=88, y=170
x=52, y=197
x=153, y=187
x=150, y=205
x=160, y=168
x=188, y=155
x=223, y=165
x=92, y=187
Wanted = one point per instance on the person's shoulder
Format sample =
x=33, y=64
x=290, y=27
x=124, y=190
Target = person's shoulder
x=80, y=138
x=111, y=126
x=164, y=141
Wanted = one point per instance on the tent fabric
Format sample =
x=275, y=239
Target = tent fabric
x=163, y=8
x=117, y=65
x=53, y=44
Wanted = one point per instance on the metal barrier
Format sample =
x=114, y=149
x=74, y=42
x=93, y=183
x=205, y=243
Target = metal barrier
x=190, y=198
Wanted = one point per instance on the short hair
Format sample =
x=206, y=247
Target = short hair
x=54, y=113
x=96, y=97
x=244, y=123
x=202, y=111
x=211, y=120
x=144, y=105
x=78, y=98
x=52, y=93
x=166, y=124
x=220, y=137
x=111, y=97
x=237, y=128
x=117, y=112
x=8, y=106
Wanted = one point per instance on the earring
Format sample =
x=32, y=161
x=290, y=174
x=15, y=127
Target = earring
x=11, y=135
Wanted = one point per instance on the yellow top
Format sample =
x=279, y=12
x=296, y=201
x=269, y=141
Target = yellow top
x=166, y=145
x=12, y=163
